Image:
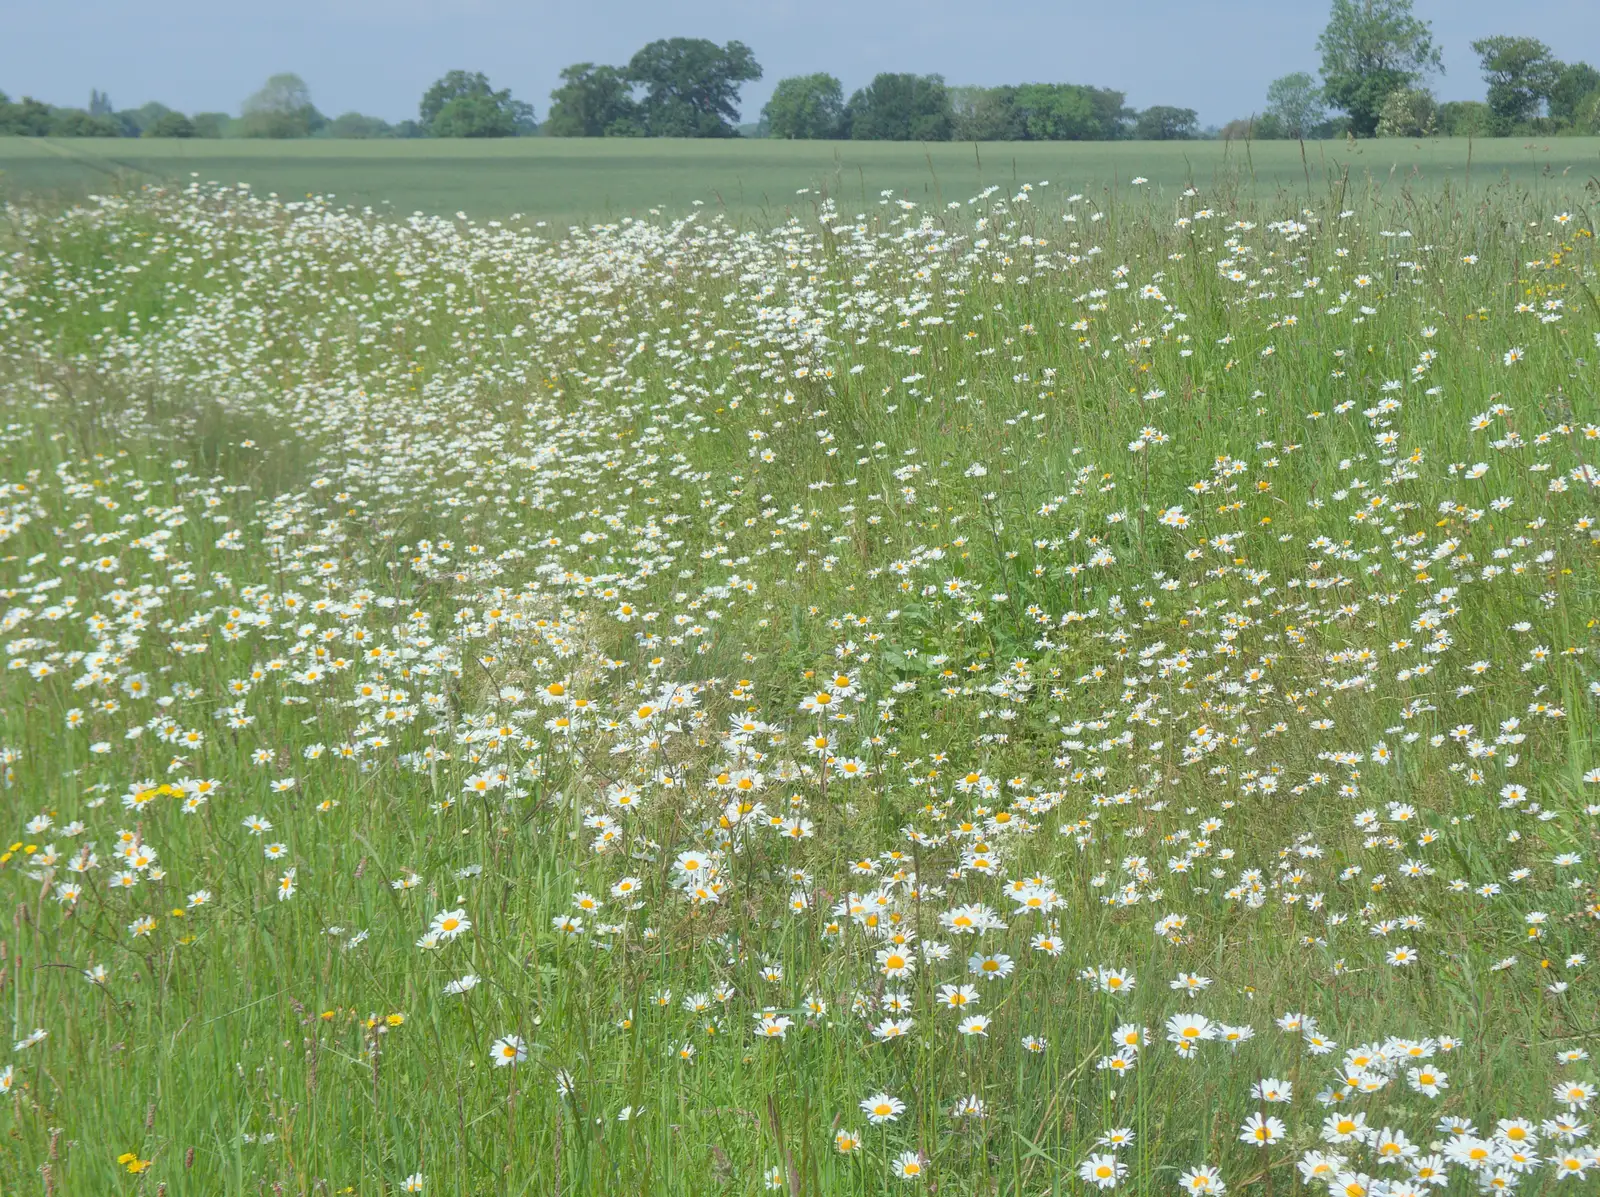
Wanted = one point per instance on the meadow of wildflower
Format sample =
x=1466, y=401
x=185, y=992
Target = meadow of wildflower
x=1014, y=693
x=575, y=180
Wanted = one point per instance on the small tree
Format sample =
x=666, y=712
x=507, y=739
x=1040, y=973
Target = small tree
x=1296, y=103
x=1464, y=118
x=1408, y=112
x=1521, y=73
x=1166, y=123
x=1370, y=49
x=281, y=108
x=805, y=107
x=593, y=101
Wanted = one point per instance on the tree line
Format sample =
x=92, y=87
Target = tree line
x=1376, y=59
x=460, y=104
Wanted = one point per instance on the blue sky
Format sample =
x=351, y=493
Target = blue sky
x=378, y=56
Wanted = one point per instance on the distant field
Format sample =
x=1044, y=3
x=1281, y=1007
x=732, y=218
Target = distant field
x=578, y=181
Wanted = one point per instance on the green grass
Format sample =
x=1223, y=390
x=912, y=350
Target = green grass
x=1229, y=585
x=565, y=181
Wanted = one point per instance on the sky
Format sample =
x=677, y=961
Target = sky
x=378, y=56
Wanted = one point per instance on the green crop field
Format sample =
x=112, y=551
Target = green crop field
x=566, y=181
x=1031, y=689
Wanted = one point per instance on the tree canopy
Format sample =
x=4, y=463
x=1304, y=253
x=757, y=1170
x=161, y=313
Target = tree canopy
x=899, y=107
x=1072, y=112
x=463, y=104
x=805, y=107
x=357, y=127
x=1039, y=112
x=985, y=114
x=75, y=122
x=169, y=124
x=1521, y=73
x=1295, y=102
x=1369, y=49
x=691, y=86
x=282, y=107
x=1576, y=89
x=593, y=101
x=1408, y=112
x=1163, y=122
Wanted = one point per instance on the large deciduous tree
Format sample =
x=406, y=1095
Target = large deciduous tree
x=1521, y=73
x=1369, y=49
x=691, y=86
